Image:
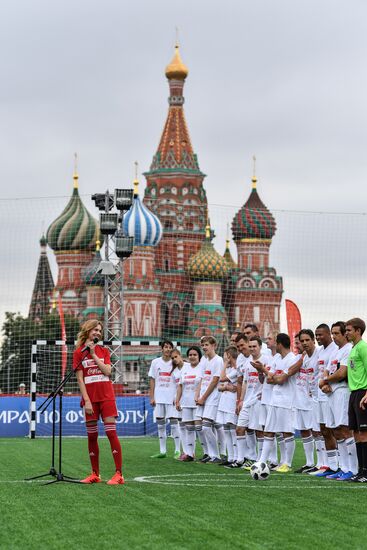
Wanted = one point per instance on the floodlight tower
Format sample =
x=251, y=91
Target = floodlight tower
x=117, y=247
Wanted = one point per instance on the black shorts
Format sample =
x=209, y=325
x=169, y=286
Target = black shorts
x=357, y=416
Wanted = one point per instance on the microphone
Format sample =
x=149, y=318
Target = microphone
x=86, y=348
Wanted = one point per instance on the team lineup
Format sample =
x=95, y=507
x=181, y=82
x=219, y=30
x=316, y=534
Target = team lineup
x=242, y=407
x=246, y=407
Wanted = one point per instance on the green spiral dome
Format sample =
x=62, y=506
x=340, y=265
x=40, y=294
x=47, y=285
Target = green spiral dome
x=75, y=228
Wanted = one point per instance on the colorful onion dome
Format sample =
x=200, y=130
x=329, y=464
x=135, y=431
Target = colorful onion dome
x=207, y=264
x=75, y=228
x=228, y=256
x=91, y=277
x=139, y=222
x=176, y=70
x=253, y=220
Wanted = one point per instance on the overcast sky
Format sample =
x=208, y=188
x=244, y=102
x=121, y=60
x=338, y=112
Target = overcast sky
x=284, y=80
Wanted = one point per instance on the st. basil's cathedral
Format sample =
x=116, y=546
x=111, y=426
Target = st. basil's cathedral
x=176, y=285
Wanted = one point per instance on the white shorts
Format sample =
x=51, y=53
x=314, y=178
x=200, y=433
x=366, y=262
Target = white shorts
x=279, y=420
x=162, y=410
x=315, y=422
x=188, y=414
x=263, y=414
x=226, y=418
x=206, y=411
x=303, y=420
x=338, y=408
x=244, y=417
x=254, y=422
x=322, y=411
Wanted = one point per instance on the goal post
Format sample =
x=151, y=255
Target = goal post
x=135, y=414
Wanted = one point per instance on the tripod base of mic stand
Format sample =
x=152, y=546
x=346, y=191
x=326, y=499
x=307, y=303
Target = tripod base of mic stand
x=62, y=477
x=52, y=473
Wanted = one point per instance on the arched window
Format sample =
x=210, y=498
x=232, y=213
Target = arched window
x=186, y=313
x=164, y=315
x=175, y=312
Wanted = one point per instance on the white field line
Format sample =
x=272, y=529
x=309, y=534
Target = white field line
x=209, y=480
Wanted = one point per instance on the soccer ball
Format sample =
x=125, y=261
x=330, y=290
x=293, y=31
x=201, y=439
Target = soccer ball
x=259, y=470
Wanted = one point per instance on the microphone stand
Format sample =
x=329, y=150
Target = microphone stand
x=58, y=475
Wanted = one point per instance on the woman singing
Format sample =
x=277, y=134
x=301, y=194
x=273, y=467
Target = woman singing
x=93, y=371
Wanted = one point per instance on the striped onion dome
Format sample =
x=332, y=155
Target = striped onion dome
x=253, y=220
x=75, y=228
x=207, y=264
x=91, y=277
x=140, y=223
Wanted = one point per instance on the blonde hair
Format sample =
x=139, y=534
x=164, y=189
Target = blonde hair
x=85, y=330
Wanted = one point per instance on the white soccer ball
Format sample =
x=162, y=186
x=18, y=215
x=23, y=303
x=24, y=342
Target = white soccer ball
x=259, y=471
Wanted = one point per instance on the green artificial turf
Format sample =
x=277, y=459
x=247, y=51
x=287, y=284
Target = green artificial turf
x=183, y=506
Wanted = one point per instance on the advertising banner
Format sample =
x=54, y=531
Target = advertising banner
x=135, y=417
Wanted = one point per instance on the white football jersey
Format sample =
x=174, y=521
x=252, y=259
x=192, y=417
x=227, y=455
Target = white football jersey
x=324, y=357
x=337, y=359
x=189, y=379
x=242, y=364
x=283, y=394
x=210, y=368
x=165, y=385
x=267, y=389
x=253, y=384
x=228, y=399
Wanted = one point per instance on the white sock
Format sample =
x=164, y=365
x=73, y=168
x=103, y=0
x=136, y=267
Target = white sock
x=175, y=434
x=228, y=437
x=352, y=454
x=241, y=446
x=190, y=440
x=273, y=456
x=320, y=451
x=182, y=431
x=290, y=446
x=281, y=443
x=260, y=442
x=201, y=438
x=251, y=445
x=267, y=448
x=343, y=455
x=232, y=431
x=210, y=438
x=220, y=437
x=162, y=434
x=332, y=457
x=308, y=446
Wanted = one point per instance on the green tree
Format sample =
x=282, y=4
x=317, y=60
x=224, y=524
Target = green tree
x=18, y=335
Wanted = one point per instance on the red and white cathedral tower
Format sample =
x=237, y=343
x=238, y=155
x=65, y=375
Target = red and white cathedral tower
x=175, y=193
x=257, y=290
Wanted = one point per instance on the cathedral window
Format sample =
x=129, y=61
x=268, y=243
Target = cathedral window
x=144, y=267
x=129, y=327
x=276, y=315
x=175, y=312
x=256, y=314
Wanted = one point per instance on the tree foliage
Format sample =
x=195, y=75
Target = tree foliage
x=18, y=333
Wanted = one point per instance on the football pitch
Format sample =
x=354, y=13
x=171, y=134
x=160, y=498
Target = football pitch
x=168, y=504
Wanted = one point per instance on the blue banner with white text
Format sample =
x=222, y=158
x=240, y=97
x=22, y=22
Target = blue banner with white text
x=135, y=417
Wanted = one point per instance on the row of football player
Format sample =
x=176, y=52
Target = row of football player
x=240, y=402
